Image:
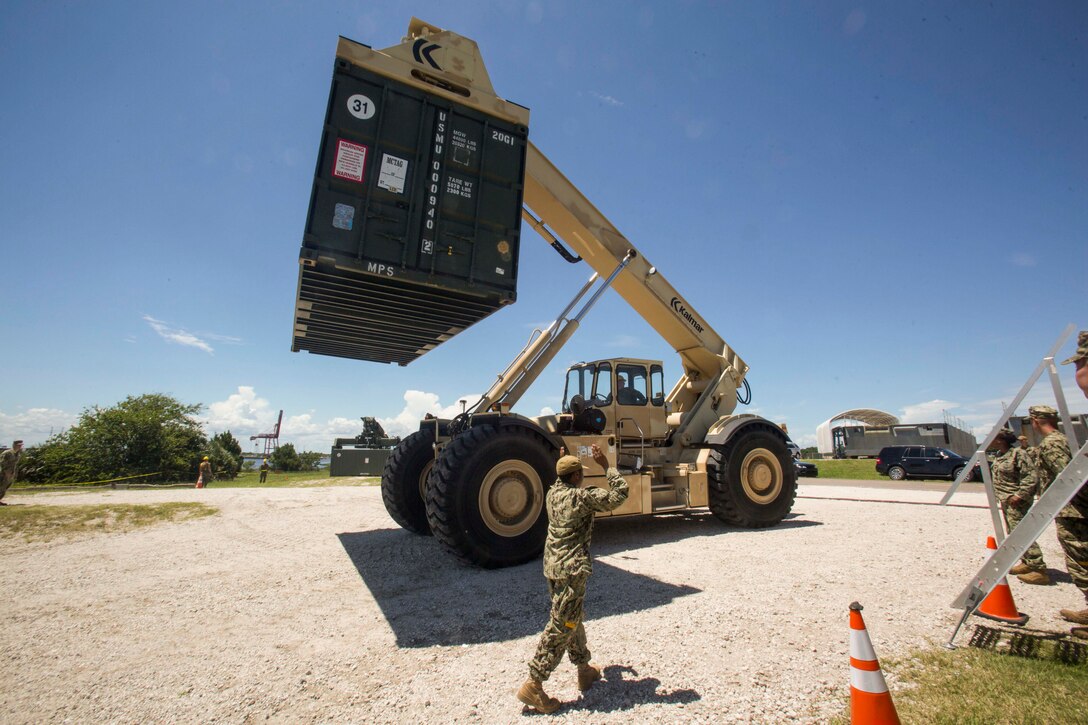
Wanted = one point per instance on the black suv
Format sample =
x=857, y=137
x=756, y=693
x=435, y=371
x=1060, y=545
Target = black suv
x=899, y=462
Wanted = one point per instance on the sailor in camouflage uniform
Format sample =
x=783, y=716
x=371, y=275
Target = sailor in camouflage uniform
x=567, y=566
x=1052, y=456
x=1079, y=360
x=9, y=467
x=1014, y=476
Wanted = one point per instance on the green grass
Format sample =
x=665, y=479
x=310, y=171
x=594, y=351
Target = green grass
x=852, y=468
x=246, y=479
x=976, y=686
x=251, y=479
x=44, y=523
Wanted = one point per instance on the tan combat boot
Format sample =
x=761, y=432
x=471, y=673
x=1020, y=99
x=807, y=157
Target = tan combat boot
x=1020, y=568
x=532, y=694
x=587, y=675
x=1036, y=577
x=1079, y=632
x=1072, y=615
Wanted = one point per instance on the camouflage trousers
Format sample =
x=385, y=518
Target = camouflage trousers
x=1033, y=557
x=1073, y=536
x=5, y=483
x=564, y=632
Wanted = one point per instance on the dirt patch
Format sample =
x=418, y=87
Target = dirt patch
x=301, y=604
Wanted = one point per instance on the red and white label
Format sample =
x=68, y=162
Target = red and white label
x=350, y=160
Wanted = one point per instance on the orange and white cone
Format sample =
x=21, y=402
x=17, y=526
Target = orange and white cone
x=870, y=701
x=998, y=604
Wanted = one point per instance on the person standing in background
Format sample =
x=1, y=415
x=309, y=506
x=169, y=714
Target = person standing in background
x=9, y=467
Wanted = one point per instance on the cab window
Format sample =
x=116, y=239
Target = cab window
x=602, y=385
x=630, y=385
x=657, y=385
x=579, y=382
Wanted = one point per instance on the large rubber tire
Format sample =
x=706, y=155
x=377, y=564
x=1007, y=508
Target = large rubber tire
x=404, y=481
x=485, y=500
x=896, y=473
x=956, y=473
x=753, y=481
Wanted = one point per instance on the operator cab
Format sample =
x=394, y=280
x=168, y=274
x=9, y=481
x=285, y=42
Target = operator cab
x=622, y=396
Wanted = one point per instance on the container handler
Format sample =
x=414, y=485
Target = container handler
x=423, y=178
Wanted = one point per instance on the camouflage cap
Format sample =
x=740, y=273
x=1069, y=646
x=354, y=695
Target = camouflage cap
x=1042, y=411
x=1082, y=349
x=567, y=464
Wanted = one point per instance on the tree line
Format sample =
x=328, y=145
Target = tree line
x=145, y=434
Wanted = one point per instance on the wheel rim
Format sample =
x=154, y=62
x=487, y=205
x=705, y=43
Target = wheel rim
x=896, y=474
x=511, y=497
x=761, y=476
x=423, y=476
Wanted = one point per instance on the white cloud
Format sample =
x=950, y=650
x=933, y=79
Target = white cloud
x=980, y=416
x=608, y=100
x=417, y=404
x=546, y=410
x=242, y=413
x=804, y=441
x=34, y=425
x=177, y=335
x=245, y=414
x=229, y=339
x=309, y=435
x=928, y=412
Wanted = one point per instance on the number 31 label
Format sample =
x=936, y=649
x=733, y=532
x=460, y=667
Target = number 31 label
x=360, y=106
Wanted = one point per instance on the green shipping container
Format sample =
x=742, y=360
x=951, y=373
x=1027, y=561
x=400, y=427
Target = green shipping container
x=414, y=222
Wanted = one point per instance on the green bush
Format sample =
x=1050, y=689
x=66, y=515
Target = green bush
x=152, y=433
x=284, y=458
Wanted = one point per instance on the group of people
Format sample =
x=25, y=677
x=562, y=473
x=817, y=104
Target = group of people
x=205, y=475
x=1020, y=473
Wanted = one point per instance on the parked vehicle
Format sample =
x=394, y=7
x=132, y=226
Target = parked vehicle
x=900, y=462
x=803, y=468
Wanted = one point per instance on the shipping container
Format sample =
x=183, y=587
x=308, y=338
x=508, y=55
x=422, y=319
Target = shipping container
x=358, y=461
x=414, y=224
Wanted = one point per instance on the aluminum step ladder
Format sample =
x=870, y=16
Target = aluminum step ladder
x=1045, y=510
x=1041, y=514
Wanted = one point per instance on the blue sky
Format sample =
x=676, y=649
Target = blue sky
x=877, y=205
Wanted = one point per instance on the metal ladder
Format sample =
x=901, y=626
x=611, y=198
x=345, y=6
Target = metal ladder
x=1045, y=510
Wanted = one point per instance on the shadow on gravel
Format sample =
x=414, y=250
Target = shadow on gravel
x=612, y=536
x=428, y=599
x=617, y=693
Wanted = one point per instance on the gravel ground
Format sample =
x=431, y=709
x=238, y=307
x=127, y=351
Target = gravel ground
x=300, y=605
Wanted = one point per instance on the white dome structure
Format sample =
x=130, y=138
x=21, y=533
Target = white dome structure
x=864, y=416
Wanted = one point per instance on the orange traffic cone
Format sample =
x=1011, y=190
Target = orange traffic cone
x=870, y=701
x=998, y=605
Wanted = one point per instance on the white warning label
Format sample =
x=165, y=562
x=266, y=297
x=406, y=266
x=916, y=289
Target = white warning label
x=350, y=160
x=392, y=174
